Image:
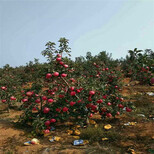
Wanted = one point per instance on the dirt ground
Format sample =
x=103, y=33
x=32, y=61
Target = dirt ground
x=137, y=138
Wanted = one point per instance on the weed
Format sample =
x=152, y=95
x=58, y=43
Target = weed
x=94, y=134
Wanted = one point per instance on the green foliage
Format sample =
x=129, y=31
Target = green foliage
x=51, y=50
x=139, y=65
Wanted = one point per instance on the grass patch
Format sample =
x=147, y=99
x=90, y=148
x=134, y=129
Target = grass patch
x=94, y=134
x=144, y=105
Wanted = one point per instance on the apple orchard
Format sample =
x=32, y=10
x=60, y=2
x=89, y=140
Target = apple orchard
x=65, y=90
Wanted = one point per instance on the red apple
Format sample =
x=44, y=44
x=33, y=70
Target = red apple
x=37, y=100
x=72, y=88
x=116, y=87
x=79, y=101
x=48, y=76
x=152, y=80
x=72, y=103
x=12, y=98
x=24, y=100
x=58, y=109
x=89, y=99
x=46, y=131
x=109, y=104
x=56, y=74
x=58, y=59
x=104, y=96
x=65, y=109
x=61, y=96
x=52, y=120
x=61, y=63
x=34, y=109
x=121, y=99
x=50, y=100
x=118, y=113
x=63, y=75
x=117, y=98
x=72, y=80
x=44, y=98
x=90, y=115
x=47, y=123
x=128, y=109
x=78, y=90
x=46, y=110
x=29, y=93
x=120, y=106
x=3, y=88
x=91, y=92
x=99, y=101
x=58, y=55
x=66, y=66
x=93, y=107
x=109, y=115
x=3, y=100
x=73, y=93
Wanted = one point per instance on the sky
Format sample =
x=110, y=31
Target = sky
x=115, y=26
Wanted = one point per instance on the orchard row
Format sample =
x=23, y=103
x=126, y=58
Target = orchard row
x=62, y=90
